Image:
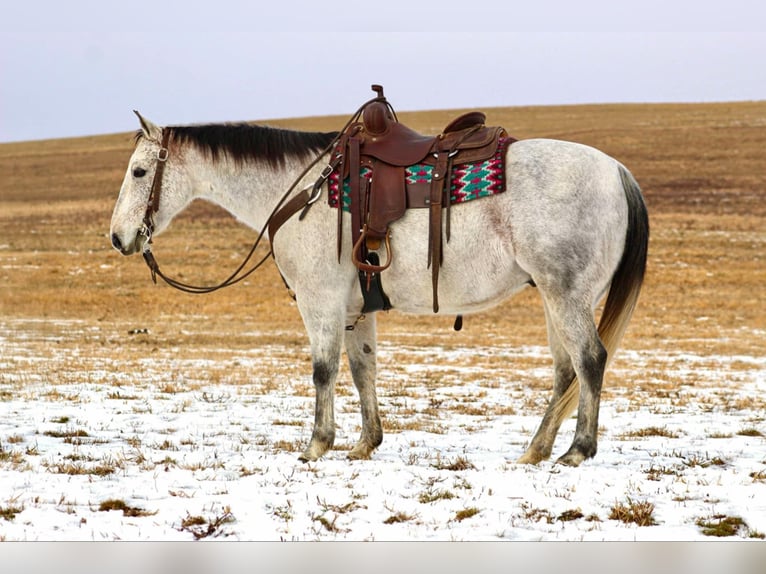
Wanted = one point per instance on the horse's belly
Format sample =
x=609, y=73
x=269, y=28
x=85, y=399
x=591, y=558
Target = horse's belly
x=466, y=293
x=478, y=269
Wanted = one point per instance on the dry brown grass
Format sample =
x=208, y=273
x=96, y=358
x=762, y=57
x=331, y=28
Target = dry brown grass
x=631, y=511
x=702, y=168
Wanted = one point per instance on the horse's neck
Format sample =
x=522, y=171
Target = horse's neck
x=249, y=191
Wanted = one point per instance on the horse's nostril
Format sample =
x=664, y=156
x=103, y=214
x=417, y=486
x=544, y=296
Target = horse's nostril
x=116, y=243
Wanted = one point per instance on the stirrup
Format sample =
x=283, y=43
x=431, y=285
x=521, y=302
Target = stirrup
x=365, y=266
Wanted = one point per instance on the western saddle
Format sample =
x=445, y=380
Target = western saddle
x=386, y=147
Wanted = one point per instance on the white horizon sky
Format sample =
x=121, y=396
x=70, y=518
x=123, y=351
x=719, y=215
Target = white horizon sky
x=78, y=68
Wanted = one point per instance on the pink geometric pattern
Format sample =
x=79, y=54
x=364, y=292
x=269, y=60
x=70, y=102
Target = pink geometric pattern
x=468, y=181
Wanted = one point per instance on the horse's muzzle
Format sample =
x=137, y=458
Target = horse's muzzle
x=128, y=249
x=116, y=243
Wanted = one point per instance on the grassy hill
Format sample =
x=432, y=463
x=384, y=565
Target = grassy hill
x=702, y=168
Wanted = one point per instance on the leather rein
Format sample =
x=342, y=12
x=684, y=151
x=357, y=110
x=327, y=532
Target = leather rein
x=279, y=215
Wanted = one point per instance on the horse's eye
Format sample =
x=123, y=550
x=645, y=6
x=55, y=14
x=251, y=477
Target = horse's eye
x=139, y=172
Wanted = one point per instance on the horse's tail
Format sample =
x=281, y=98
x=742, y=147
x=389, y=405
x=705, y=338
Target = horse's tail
x=629, y=276
x=625, y=286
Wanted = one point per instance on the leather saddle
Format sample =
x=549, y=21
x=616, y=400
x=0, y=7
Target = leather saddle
x=386, y=147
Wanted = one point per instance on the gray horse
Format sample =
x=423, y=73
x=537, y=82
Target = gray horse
x=572, y=222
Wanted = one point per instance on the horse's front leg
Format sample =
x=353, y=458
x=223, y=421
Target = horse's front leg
x=325, y=331
x=361, y=349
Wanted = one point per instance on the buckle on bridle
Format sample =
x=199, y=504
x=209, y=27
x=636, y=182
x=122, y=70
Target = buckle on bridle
x=146, y=231
x=162, y=154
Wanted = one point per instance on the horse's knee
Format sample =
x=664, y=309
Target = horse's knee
x=323, y=374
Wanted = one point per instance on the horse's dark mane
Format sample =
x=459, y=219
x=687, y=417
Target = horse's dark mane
x=242, y=142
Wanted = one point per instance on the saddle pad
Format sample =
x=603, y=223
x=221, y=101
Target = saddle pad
x=468, y=180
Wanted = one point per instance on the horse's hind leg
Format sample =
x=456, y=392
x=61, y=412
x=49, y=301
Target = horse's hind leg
x=361, y=349
x=577, y=335
x=564, y=374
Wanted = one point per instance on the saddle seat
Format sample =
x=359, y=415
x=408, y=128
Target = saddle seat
x=389, y=141
x=393, y=143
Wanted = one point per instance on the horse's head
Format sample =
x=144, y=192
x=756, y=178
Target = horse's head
x=134, y=220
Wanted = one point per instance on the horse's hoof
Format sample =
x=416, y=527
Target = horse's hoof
x=531, y=457
x=360, y=452
x=572, y=458
x=308, y=456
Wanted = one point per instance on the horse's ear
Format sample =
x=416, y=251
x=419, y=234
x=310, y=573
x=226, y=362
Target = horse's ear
x=150, y=130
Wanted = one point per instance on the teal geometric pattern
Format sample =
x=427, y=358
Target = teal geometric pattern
x=468, y=181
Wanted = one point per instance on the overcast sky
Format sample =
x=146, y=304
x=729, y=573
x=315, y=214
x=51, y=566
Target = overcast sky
x=78, y=67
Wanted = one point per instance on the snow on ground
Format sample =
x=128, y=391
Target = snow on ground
x=152, y=450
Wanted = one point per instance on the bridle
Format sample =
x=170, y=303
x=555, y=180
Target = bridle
x=153, y=206
x=279, y=215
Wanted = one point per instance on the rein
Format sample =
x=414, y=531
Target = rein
x=279, y=215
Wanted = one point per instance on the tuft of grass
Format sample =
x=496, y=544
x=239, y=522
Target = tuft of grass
x=651, y=431
x=721, y=526
x=656, y=472
x=461, y=515
x=191, y=521
x=118, y=396
x=117, y=504
x=201, y=527
x=10, y=512
x=460, y=463
x=636, y=512
x=171, y=388
x=398, y=517
x=694, y=460
x=431, y=495
x=282, y=445
x=166, y=445
x=749, y=432
x=537, y=514
x=67, y=433
x=570, y=515
x=329, y=525
x=76, y=468
x=283, y=512
x=339, y=508
x=14, y=457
